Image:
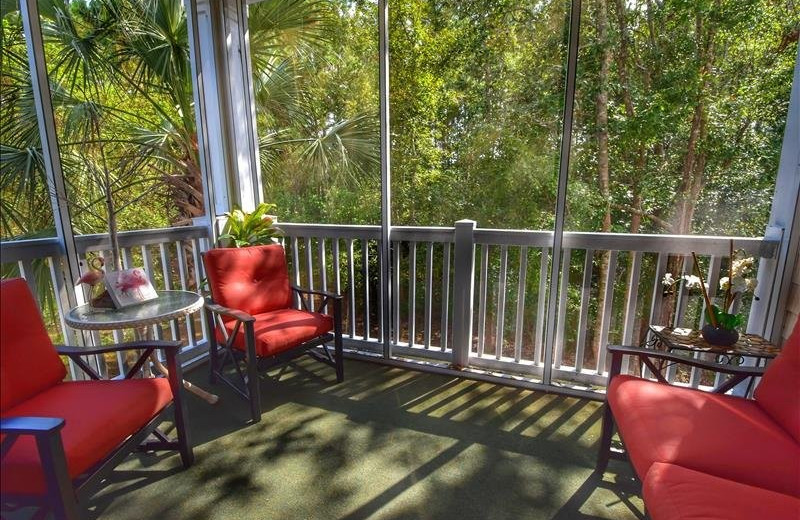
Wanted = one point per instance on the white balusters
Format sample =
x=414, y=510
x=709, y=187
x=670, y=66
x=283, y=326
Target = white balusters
x=522, y=277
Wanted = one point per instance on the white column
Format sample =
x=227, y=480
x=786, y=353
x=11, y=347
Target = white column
x=767, y=313
x=65, y=290
x=224, y=105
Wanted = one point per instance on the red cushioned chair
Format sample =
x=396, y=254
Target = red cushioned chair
x=253, y=320
x=719, y=445
x=673, y=492
x=61, y=440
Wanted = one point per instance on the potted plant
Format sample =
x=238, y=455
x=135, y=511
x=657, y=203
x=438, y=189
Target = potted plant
x=723, y=321
x=244, y=229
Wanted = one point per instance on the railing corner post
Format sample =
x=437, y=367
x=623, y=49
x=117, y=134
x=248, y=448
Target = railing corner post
x=463, y=291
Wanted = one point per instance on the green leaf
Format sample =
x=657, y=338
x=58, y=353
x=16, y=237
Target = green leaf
x=244, y=229
x=726, y=320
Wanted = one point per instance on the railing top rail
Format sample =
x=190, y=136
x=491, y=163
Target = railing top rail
x=423, y=234
x=20, y=250
x=514, y=237
x=647, y=243
x=330, y=231
x=672, y=244
x=139, y=237
x=31, y=249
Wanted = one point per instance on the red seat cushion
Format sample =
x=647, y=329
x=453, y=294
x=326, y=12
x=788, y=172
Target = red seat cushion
x=98, y=415
x=281, y=330
x=726, y=436
x=28, y=360
x=675, y=493
x=778, y=393
x=251, y=279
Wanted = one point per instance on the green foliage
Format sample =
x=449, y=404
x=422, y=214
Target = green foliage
x=476, y=100
x=726, y=320
x=119, y=78
x=254, y=228
x=476, y=97
x=316, y=108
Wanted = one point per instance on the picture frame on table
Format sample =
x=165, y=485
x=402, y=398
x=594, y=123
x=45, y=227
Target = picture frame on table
x=129, y=287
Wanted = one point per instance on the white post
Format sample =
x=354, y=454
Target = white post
x=463, y=291
x=64, y=276
x=775, y=274
x=225, y=109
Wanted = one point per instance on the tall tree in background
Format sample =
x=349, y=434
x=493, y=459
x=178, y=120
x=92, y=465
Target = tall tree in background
x=694, y=106
x=603, y=178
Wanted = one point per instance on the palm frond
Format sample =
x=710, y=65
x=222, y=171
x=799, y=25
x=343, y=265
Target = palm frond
x=278, y=91
x=352, y=144
x=285, y=28
x=155, y=38
x=82, y=31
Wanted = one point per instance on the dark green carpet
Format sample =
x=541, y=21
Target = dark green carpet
x=385, y=444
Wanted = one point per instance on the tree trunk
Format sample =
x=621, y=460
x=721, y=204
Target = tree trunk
x=694, y=160
x=112, y=230
x=601, y=121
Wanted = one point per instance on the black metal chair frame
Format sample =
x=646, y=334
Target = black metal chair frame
x=64, y=495
x=658, y=361
x=249, y=387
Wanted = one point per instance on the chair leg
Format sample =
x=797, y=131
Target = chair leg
x=213, y=352
x=337, y=342
x=179, y=409
x=253, y=390
x=607, y=433
x=60, y=493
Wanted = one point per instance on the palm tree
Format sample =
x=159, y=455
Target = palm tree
x=120, y=76
x=291, y=43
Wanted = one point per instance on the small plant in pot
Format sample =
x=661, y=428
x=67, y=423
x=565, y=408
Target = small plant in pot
x=254, y=228
x=722, y=320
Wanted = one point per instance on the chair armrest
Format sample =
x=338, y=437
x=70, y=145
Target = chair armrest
x=30, y=425
x=326, y=294
x=46, y=432
x=686, y=359
x=231, y=313
x=66, y=350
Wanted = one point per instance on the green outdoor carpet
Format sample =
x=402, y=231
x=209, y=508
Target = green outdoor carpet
x=387, y=443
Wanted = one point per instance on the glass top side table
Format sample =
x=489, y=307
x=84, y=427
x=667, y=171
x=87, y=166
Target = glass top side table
x=168, y=305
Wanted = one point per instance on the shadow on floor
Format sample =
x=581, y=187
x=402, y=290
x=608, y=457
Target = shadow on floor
x=385, y=444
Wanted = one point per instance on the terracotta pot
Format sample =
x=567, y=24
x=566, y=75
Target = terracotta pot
x=721, y=337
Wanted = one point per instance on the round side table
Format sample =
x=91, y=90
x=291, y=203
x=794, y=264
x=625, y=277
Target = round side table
x=169, y=305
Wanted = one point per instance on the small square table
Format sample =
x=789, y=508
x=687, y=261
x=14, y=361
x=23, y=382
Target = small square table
x=749, y=345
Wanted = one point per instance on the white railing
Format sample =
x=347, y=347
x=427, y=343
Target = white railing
x=342, y=259
x=171, y=258
x=510, y=281
x=507, y=271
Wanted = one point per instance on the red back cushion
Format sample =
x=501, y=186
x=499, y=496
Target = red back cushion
x=28, y=361
x=778, y=394
x=252, y=279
